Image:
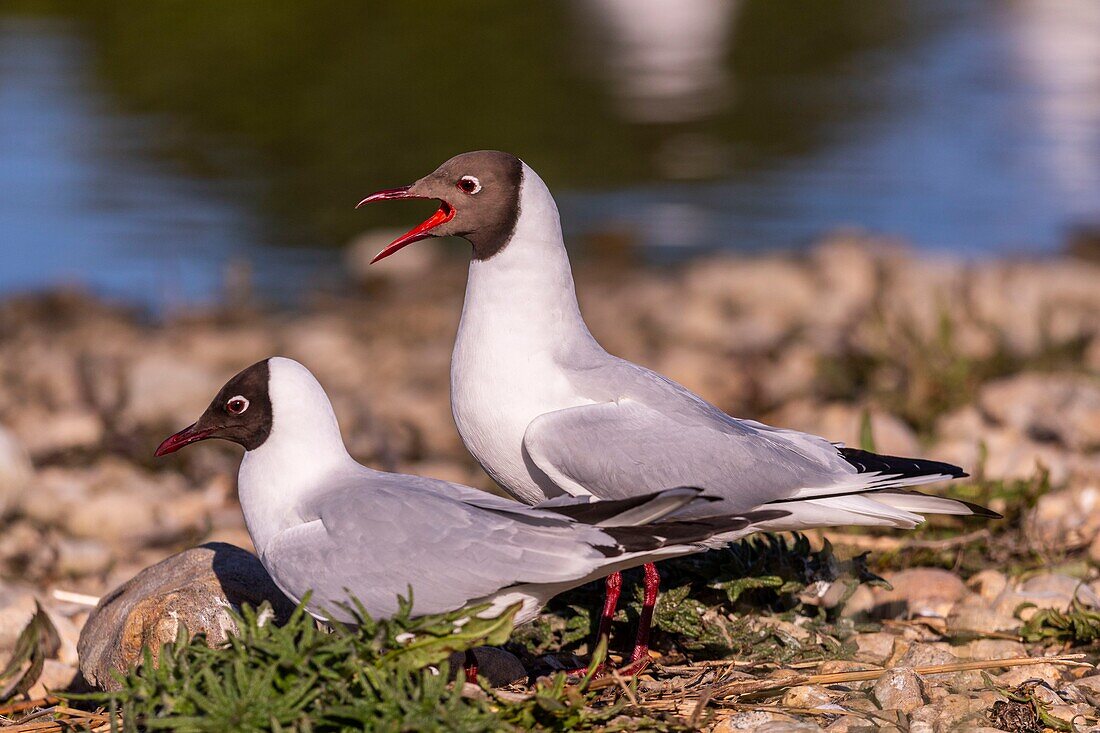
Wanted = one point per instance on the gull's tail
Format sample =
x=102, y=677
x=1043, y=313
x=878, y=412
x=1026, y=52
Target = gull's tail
x=877, y=495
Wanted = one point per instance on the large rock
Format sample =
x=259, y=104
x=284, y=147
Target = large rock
x=195, y=588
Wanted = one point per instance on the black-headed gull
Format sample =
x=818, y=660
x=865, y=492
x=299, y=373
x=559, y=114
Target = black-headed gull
x=547, y=412
x=322, y=522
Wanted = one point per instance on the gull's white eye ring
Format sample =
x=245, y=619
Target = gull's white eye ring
x=236, y=405
x=469, y=185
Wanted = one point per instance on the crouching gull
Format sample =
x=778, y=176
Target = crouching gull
x=323, y=523
x=547, y=412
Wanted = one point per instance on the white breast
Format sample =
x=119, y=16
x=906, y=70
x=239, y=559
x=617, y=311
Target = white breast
x=501, y=380
x=519, y=318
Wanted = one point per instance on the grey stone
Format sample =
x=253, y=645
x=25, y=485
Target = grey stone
x=17, y=608
x=899, y=689
x=1016, y=676
x=498, y=666
x=194, y=588
x=975, y=614
x=764, y=722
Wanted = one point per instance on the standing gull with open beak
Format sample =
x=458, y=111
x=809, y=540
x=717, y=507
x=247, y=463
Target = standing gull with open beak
x=547, y=412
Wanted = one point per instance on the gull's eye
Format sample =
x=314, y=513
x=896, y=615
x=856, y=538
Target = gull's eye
x=469, y=184
x=236, y=405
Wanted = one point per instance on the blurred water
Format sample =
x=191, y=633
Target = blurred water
x=145, y=147
x=83, y=202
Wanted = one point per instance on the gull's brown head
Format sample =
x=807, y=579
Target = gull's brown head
x=479, y=201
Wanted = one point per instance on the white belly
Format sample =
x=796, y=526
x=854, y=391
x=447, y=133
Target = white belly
x=497, y=389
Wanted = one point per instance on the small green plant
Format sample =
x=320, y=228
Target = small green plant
x=1023, y=710
x=1075, y=626
x=377, y=675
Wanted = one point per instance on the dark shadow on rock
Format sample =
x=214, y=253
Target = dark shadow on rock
x=194, y=589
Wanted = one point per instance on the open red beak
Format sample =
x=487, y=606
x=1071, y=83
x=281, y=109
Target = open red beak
x=445, y=213
x=184, y=437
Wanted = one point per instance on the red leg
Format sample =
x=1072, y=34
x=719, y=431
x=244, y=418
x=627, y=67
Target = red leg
x=614, y=586
x=471, y=667
x=645, y=620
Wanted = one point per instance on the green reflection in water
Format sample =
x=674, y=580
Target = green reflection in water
x=320, y=103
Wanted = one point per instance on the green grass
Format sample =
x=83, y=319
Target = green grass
x=1076, y=626
x=379, y=676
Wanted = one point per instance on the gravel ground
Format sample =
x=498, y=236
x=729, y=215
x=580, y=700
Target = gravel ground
x=992, y=365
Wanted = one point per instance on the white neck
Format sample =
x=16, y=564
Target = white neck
x=527, y=287
x=298, y=457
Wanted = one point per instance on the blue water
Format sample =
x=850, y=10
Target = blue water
x=980, y=138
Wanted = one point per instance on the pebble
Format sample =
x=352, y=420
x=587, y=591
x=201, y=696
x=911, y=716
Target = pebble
x=986, y=649
x=48, y=433
x=919, y=592
x=899, y=689
x=806, y=696
x=77, y=557
x=875, y=647
x=1016, y=676
x=764, y=722
x=921, y=654
x=988, y=584
x=17, y=607
x=192, y=385
x=849, y=724
x=1049, y=590
x=1063, y=408
x=949, y=714
x=974, y=614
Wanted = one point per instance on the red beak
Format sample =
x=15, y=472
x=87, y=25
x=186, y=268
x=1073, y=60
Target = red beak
x=445, y=213
x=184, y=437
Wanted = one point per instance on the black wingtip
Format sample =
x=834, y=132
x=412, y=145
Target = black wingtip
x=980, y=511
x=868, y=462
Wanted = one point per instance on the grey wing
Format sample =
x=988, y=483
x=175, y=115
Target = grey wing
x=376, y=544
x=646, y=432
x=619, y=449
